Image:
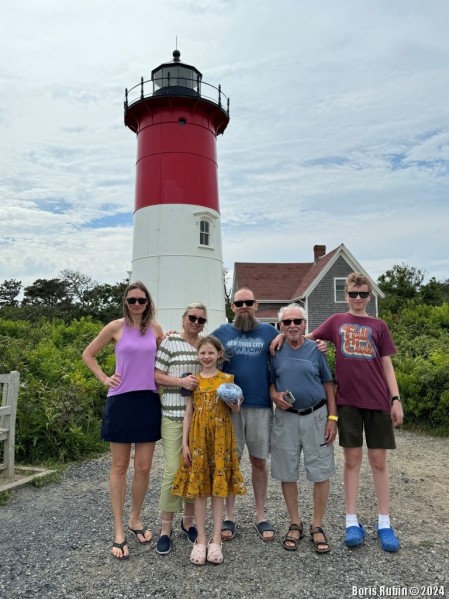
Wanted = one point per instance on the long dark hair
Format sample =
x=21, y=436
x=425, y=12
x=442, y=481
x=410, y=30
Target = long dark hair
x=149, y=313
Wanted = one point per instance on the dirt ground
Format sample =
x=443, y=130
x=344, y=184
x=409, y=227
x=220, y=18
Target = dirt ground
x=70, y=519
x=419, y=470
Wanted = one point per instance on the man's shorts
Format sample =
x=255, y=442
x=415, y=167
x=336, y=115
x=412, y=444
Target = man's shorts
x=379, y=433
x=293, y=434
x=252, y=427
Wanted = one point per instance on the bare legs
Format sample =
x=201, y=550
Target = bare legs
x=320, y=498
x=351, y=475
x=259, y=479
x=120, y=456
x=217, y=515
x=379, y=467
x=187, y=518
x=290, y=492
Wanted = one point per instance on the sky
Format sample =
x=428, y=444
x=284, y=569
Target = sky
x=339, y=129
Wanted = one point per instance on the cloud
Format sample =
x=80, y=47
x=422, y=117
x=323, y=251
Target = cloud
x=338, y=130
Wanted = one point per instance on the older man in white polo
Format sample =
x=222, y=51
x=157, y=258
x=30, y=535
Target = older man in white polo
x=304, y=422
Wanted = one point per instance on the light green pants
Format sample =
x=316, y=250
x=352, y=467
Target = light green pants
x=171, y=431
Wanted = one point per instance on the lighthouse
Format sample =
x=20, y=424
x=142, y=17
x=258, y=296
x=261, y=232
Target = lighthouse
x=177, y=249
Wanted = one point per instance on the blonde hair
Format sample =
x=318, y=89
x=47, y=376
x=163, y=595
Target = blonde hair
x=358, y=279
x=197, y=306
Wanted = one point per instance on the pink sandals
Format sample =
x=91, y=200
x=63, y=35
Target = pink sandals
x=198, y=554
x=202, y=553
x=214, y=553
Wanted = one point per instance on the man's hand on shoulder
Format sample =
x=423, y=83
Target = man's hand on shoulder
x=321, y=346
x=276, y=343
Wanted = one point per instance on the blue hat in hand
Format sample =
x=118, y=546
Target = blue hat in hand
x=230, y=393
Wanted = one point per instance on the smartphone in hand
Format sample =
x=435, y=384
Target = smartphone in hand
x=185, y=392
x=289, y=397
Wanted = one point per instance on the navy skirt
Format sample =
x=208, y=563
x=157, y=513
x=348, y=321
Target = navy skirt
x=133, y=417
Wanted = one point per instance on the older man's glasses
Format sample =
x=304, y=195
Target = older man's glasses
x=354, y=294
x=239, y=303
x=288, y=321
x=200, y=319
x=138, y=300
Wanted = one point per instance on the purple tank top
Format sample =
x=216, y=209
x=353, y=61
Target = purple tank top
x=135, y=355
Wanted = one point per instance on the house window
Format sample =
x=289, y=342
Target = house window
x=204, y=232
x=339, y=290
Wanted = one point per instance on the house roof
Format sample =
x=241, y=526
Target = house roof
x=285, y=281
x=270, y=280
x=313, y=272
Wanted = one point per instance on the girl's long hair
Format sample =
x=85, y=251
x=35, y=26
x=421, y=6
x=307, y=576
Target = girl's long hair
x=149, y=314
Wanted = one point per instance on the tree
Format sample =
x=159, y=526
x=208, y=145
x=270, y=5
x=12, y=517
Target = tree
x=104, y=302
x=47, y=292
x=400, y=284
x=435, y=293
x=9, y=290
x=78, y=285
x=228, y=295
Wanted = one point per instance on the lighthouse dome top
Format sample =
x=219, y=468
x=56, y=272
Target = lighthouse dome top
x=169, y=81
x=176, y=77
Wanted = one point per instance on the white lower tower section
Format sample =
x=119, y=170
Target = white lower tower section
x=177, y=254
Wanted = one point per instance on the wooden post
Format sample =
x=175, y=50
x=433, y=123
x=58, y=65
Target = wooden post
x=8, y=411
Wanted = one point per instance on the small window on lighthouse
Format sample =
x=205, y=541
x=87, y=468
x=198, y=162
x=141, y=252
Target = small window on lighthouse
x=204, y=232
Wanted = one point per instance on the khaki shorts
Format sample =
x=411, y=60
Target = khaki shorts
x=379, y=433
x=252, y=427
x=293, y=435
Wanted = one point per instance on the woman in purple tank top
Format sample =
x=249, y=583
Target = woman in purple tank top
x=132, y=412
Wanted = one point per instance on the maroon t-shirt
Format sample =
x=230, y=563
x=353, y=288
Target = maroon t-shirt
x=360, y=343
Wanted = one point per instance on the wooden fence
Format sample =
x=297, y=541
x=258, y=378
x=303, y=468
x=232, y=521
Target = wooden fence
x=9, y=390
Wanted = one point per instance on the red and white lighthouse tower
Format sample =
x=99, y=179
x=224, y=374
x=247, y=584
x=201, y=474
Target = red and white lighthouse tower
x=177, y=249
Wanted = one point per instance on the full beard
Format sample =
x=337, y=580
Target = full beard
x=246, y=322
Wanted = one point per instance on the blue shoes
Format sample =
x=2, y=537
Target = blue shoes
x=190, y=533
x=388, y=540
x=355, y=536
x=163, y=545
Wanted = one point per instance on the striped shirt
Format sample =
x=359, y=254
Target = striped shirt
x=174, y=357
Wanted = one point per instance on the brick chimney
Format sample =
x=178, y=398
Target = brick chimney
x=318, y=252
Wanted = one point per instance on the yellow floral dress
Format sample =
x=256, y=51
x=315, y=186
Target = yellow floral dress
x=215, y=469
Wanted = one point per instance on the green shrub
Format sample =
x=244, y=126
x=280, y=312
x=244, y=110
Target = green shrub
x=60, y=401
x=421, y=335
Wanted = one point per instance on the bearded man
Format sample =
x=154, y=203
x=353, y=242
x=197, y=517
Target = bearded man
x=246, y=343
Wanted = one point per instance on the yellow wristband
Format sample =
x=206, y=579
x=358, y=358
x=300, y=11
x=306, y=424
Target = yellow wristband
x=335, y=418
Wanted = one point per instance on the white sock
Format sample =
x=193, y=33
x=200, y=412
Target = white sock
x=351, y=520
x=384, y=521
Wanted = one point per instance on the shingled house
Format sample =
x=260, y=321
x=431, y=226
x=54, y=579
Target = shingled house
x=318, y=286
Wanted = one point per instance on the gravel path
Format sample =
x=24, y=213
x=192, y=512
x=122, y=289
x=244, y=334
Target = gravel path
x=55, y=541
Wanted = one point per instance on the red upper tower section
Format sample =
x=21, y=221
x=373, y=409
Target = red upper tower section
x=177, y=118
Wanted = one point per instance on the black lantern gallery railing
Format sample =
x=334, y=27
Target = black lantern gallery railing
x=176, y=86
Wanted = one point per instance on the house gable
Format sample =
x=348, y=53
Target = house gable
x=311, y=284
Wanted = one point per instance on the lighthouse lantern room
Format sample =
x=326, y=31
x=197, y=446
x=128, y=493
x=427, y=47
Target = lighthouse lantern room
x=177, y=249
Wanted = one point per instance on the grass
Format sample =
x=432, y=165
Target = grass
x=5, y=496
x=426, y=430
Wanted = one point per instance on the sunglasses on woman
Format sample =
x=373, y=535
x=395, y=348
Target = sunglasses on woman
x=139, y=300
x=200, y=319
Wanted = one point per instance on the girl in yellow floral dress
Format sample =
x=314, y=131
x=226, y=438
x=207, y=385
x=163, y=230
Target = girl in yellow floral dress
x=209, y=465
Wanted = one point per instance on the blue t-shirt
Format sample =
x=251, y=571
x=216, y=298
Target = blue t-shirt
x=301, y=371
x=248, y=360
